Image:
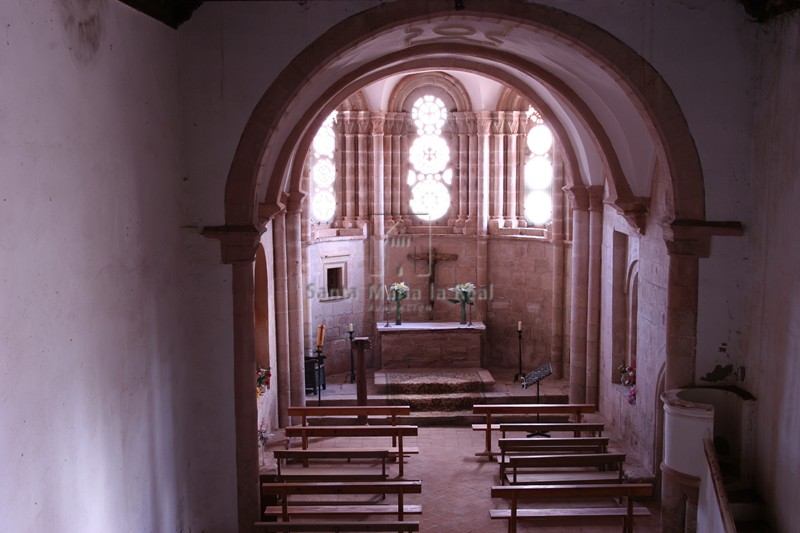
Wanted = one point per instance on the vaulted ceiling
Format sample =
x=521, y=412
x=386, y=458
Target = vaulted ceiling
x=173, y=13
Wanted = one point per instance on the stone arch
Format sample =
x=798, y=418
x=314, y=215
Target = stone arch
x=449, y=89
x=274, y=142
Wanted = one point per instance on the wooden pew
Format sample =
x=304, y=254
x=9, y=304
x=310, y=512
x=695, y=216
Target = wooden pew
x=361, y=412
x=398, y=432
x=571, y=493
x=576, y=428
x=490, y=410
x=327, y=527
x=287, y=492
x=526, y=446
x=391, y=411
x=328, y=472
x=604, y=468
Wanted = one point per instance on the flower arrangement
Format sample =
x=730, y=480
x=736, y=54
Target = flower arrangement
x=464, y=292
x=263, y=433
x=632, y=395
x=627, y=374
x=263, y=376
x=399, y=291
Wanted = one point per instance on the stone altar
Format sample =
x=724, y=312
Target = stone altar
x=431, y=345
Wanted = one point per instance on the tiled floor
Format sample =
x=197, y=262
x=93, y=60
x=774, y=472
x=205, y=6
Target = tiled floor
x=456, y=483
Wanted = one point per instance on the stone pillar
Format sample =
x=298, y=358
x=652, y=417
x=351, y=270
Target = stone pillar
x=559, y=272
x=593, y=292
x=239, y=245
x=497, y=176
x=348, y=170
x=686, y=245
x=295, y=294
x=579, y=199
x=281, y=317
x=375, y=276
x=483, y=172
x=362, y=169
x=462, y=171
x=512, y=167
x=245, y=407
x=470, y=226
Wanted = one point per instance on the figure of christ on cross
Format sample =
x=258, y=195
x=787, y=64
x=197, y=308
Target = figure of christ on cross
x=433, y=259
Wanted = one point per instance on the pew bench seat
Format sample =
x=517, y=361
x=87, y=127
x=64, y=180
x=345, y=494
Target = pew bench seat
x=336, y=527
x=343, y=508
x=551, y=498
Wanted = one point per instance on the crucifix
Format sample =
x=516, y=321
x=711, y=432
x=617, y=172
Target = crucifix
x=432, y=258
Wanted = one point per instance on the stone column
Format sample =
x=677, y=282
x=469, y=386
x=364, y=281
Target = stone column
x=470, y=226
x=579, y=199
x=483, y=171
x=462, y=170
x=559, y=272
x=281, y=317
x=239, y=245
x=294, y=290
x=375, y=277
x=245, y=407
x=362, y=169
x=497, y=176
x=685, y=246
x=348, y=170
x=593, y=292
x=512, y=167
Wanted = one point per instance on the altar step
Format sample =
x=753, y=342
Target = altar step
x=443, y=397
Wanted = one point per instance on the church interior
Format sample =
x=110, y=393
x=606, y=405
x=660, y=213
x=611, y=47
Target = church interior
x=201, y=201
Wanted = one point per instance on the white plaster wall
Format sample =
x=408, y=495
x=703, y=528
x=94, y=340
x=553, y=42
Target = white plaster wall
x=113, y=413
x=772, y=338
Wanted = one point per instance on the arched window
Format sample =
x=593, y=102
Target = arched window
x=430, y=175
x=538, y=171
x=323, y=172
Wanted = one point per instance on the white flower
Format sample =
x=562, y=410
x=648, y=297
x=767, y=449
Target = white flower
x=464, y=292
x=400, y=290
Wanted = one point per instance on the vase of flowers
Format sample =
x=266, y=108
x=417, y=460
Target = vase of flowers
x=464, y=292
x=263, y=441
x=263, y=376
x=398, y=291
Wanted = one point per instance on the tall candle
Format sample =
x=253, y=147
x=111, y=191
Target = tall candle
x=350, y=327
x=519, y=325
x=320, y=336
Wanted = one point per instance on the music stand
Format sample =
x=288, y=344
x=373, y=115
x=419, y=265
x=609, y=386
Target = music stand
x=535, y=376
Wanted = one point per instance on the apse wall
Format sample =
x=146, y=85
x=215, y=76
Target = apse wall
x=115, y=323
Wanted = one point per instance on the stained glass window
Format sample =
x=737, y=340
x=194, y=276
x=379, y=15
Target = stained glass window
x=430, y=175
x=323, y=172
x=538, y=171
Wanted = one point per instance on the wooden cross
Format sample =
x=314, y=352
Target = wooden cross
x=432, y=258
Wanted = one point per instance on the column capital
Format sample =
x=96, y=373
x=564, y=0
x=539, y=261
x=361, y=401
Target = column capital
x=295, y=201
x=578, y=196
x=595, y=194
x=693, y=237
x=238, y=243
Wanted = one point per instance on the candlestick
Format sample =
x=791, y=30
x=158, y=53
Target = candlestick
x=320, y=336
x=352, y=374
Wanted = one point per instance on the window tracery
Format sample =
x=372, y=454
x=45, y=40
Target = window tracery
x=538, y=204
x=430, y=176
x=323, y=171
